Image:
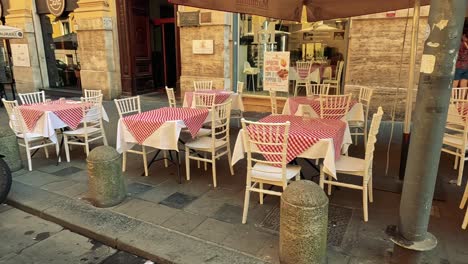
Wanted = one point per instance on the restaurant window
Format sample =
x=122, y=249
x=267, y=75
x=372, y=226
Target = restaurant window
x=322, y=43
x=61, y=51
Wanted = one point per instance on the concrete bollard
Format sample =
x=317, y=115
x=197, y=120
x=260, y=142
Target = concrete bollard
x=10, y=149
x=106, y=184
x=303, y=224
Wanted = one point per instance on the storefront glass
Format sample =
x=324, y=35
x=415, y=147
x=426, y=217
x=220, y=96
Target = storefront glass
x=321, y=43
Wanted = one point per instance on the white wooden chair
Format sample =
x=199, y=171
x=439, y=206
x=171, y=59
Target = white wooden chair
x=335, y=82
x=171, y=97
x=357, y=167
x=274, y=102
x=266, y=139
x=317, y=89
x=334, y=106
x=460, y=93
x=92, y=93
x=217, y=145
x=455, y=141
x=462, y=206
x=303, y=72
x=30, y=141
x=127, y=106
x=9, y=105
x=359, y=128
x=32, y=98
x=238, y=114
x=92, y=128
x=252, y=71
x=202, y=85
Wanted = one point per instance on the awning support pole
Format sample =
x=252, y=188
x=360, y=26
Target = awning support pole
x=446, y=19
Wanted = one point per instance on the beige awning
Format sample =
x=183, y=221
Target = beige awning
x=7, y=32
x=292, y=9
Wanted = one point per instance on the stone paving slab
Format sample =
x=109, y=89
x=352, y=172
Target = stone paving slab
x=126, y=233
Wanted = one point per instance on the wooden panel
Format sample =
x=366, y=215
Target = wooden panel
x=255, y=103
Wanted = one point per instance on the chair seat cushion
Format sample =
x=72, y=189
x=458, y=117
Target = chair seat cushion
x=203, y=132
x=346, y=163
x=30, y=136
x=204, y=143
x=81, y=131
x=267, y=172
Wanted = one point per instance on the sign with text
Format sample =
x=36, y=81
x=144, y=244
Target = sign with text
x=276, y=71
x=202, y=46
x=20, y=54
x=56, y=7
x=189, y=19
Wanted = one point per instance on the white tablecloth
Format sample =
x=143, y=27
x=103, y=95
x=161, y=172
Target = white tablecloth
x=356, y=113
x=49, y=122
x=313, y=76
x=322, y=149
x=236, y=98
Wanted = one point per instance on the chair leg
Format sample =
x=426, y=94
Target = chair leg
x=330, y=179
x=261, y=194
x=187, y=163
x=46, y=151
x=246, y=204
x=465, y=220
x=230, y=159
x=455, y=163
x=145, y=160
x=104, y=138
x=371, y=191
x=166, y=164
x=322, y=178
x=57, y=151
x=213, y=168
x=28, y=154
x=364, y=202
x=465, y=198
x=67, y=147
x=205, y=163
x=365, y=136
x=460, y=171
x=87, y=147
x=124, y=161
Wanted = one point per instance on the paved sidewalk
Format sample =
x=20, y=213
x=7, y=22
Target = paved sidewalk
x=193, y=222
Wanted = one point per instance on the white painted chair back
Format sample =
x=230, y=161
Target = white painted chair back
x=334, y=106
x=240, y=87
x=317, y=89
x=371, y=139
x=129, y=105
x=273, y=102
x=171, y=97
x=365, y=96
x=339, y=70
x=9, y=105
x=17, y=123
x=266, y=139
x=204, y=100
x=303, y=70
x=92, y=93
x=32, y=98
x=202, y=85
x=220, y=122
x=92, y=112
x=459, y=93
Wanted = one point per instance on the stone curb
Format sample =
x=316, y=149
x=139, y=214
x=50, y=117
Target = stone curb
x=119, y=231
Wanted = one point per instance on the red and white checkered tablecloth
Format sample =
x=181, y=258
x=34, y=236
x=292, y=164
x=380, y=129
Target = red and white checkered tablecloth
x=303, y=133
x=314, y=102
x=143, y=125
x=70, y=114
x=220, y=97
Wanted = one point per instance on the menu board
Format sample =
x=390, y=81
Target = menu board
x=276, y=71
x=20, y=54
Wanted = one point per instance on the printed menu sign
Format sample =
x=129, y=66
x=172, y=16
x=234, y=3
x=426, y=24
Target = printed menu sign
x=276, y=71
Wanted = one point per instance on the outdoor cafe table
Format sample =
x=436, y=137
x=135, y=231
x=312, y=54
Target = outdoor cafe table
x=220, y=97
x=159, y=128
x=45, y=118
x=302, y=105
x=309, y=138
x=315, y=74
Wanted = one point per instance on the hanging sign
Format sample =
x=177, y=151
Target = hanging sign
x=56, y=7
x=7, y=32
x=276, y=71
x=20, y=54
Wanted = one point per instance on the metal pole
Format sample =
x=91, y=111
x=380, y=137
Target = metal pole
x=235, y=50
x=409, y=91
x=446, y=19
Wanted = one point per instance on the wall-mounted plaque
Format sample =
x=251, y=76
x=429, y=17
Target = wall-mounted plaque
x=56, y=7
x=202, y=46
x=205, y=17
x=189, y=19
x=20, y=54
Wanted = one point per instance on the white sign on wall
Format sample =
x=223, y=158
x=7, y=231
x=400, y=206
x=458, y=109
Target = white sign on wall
x=276, y=71
x=204, y=46
x=20, y=54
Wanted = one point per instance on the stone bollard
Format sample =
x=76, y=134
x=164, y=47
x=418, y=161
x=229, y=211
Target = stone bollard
x=106, y=184
x=303, y=224
x=10, y=149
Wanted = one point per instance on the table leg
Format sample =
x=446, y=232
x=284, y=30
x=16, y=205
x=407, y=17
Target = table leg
x=178, y=167
x=60, y=148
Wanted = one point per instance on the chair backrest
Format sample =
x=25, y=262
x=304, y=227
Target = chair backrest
x=371, y=139
x=266, y=140
x=9, y=105
x=17, y=122
x=457, y=121
x=459, y=93
x=204, y=100
x=334, y=106
x=92, y=93
x=247, y=65
x=303, y=69
x=171, y=97
x=240, y=87
x=365, y=96
x=273, y=102
x=128, y=105
x=220, y=122
x=202, y=85
x=317, y=89
x=32, y=98
x=92, y=111
x=339, y=70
